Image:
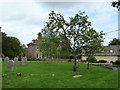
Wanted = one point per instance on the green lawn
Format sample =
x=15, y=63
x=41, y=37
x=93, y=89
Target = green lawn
x=39, y=75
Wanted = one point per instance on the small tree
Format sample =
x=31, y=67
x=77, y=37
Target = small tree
x=69, y=33
x=92, y=42
x=92, y=59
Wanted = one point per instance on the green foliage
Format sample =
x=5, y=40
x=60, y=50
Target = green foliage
x=116, y=4
x=92, y=59
x=11, y=46
x=92, y=41
x=115, y=41
x=34, y=59
x=62, y=38
x=117, y=62
x=102, y=61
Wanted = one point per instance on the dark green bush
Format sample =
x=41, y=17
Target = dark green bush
x=71, y=57
x=112, y=62
x=83, y=61
x=34, y=59
x=92, y=59
x=102, y=61
x=69, y=60
x=117, y=62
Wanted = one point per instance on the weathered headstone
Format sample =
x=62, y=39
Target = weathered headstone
x=0, y=59
x=77, y=60
x=6, y=59
x=10, y=65
x=24, y=60
x=15, y=61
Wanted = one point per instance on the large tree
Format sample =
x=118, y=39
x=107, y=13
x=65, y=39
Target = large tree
x=69, y=33
x=11, y=46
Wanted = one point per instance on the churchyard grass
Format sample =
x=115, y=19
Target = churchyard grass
x=59, y=75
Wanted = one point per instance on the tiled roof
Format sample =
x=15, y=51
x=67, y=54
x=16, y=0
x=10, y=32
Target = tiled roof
x=111, y=50
x=31, y=44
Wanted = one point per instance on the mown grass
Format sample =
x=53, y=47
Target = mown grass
x=39, y=75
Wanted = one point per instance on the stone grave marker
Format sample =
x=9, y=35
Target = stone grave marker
x=15, y=61
x=24, y=60
x=10, y=65
x=6, y=59
x=0, y=59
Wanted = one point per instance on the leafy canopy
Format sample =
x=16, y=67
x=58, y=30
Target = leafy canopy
x=72, y=36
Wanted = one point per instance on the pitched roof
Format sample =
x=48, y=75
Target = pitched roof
x=111, y=50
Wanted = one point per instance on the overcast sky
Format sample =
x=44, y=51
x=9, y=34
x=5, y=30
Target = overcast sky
x=25, y=19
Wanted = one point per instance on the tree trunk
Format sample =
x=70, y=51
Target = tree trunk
x=75, y=65
x=88, y=64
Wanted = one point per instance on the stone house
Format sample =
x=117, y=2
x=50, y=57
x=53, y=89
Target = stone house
x=111, y=53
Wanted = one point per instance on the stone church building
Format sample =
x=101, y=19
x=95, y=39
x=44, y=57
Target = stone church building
x=33, y=49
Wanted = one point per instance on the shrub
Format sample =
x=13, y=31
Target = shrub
x=111, y=62
x=117, y=62
x=102, y=61
x=83, y=61
x=92, y=59
x=69, y=60
x=71, y=57
x=34, y=59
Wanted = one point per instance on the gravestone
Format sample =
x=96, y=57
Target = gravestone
x=77, y=60
x=6, y=59
x=10, y=65
x=0, y=59
x=15, y=61
x=24, y=60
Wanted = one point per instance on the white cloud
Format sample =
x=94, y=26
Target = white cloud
x=25, y=19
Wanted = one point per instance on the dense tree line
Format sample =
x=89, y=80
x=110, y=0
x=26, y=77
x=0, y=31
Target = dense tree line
x=115, y=41
x=11, y=46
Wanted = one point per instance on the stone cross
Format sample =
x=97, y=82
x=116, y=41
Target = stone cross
x=15, y=61
x=10, y=65
x=24, y=60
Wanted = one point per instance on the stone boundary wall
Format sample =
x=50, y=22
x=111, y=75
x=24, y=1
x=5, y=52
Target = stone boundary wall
x=59, y=60
x=102, y=64
x=107, y=58
x=63, y=60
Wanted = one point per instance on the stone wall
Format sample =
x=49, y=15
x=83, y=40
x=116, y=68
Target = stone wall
x=107, y=58
x=59, y=60
x=63, y=60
